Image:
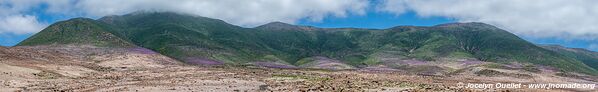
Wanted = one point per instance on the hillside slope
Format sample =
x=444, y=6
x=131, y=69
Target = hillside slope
x=82, y=31
x=205, y=41
x=590, y=58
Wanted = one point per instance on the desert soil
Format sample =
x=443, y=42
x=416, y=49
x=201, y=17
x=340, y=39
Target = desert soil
x=76, y=68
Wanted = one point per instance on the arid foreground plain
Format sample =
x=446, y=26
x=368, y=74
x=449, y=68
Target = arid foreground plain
x=89, y=68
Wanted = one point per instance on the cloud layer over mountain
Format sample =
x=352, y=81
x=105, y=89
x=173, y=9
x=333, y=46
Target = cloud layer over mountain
x=568, y=19
x=16, y=13
x=564, y=19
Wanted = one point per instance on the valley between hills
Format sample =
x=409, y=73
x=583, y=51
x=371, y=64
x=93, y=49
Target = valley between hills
x=162, y=51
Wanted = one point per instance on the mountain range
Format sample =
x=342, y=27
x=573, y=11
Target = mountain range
x=204, y=41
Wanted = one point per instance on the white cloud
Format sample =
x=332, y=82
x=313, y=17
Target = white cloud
x=240, y=12
x=575, y=19
x=12, y=19
x=20, y=24
x=568, y=19
x=15, y=13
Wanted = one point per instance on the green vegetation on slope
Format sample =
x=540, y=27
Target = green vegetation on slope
x=77, y=31
x=184, y=37
x=590, y=58
x=195, y=39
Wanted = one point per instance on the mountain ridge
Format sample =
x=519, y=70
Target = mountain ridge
x=201, y=40
x=588, y=57
x=285, y=26
x=77, y=30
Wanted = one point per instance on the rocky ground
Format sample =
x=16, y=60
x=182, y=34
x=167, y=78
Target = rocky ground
x=89, y=68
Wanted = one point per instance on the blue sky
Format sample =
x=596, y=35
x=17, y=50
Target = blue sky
x=562, y=22
x=378, y=20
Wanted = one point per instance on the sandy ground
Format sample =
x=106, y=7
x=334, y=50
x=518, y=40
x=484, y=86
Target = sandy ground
x=108, y=70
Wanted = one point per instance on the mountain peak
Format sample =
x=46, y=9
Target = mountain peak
x=80, y=19
x=556, y=46
x=468, y=24
x=285, y=26
x=82, y=31
x=279, y=23
x=461, y=24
